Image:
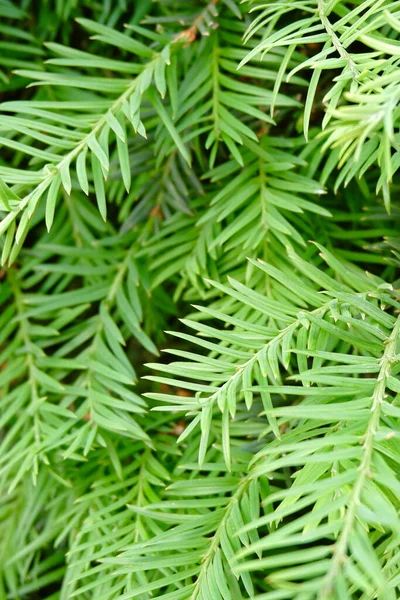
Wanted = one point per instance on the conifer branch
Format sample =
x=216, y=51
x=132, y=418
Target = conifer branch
x=342, y=544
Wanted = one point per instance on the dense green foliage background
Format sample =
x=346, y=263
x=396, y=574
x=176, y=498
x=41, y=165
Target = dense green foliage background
x=234, y=164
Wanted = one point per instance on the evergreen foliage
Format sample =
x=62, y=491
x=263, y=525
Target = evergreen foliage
x=199, y=326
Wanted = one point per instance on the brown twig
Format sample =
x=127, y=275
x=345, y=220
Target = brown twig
x=189, y=35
